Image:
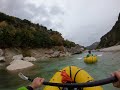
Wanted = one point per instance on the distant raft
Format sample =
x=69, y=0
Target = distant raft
x=78, y=75
x=90, y=59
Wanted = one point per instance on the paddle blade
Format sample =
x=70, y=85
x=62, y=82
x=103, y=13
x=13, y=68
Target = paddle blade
x=22, y=76
x=79, y=58
x=99, y=55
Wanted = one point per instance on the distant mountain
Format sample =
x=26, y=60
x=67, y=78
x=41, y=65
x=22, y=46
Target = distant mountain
x=93, y=46
x=112, y=37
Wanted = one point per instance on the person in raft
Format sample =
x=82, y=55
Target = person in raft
x=37, y=82
x=89, y=54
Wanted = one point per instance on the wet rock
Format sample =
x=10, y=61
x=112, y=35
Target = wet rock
x=17, y=57
x=29, y=59
x=55, y=54
x=19, y=64
x=49, y=52
x=75, y=50
x=2, y=59
x=1, y=52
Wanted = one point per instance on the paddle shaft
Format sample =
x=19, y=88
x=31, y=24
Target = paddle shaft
x=88, y=84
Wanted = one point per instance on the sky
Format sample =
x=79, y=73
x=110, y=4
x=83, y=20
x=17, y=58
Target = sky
x=81, y=21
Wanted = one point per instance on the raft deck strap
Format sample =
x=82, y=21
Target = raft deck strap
x=77, y=73
x=70, y=72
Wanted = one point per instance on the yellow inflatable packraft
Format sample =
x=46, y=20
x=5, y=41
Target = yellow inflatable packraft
x=90, y=59
x=78, y=75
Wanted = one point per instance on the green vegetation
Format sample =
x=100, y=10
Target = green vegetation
x=69, y=44
x=15, y=32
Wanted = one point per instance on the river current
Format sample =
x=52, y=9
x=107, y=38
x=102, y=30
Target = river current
x=107, y=63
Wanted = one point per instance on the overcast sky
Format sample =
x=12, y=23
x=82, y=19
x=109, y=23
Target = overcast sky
x=82, y=21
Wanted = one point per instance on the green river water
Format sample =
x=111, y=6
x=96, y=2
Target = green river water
x=107, y=63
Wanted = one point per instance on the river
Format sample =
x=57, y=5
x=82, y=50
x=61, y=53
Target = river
x=107, y=63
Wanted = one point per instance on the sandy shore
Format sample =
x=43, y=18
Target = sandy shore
x=113, y=48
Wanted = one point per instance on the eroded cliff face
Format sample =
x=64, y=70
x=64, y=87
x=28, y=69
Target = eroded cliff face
x=112, y=37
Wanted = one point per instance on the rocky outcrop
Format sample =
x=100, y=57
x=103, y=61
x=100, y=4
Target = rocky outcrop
x=59, y=54
x=1, y=52
x=48, y=53
x=30, y=59
x=17, y=57
x=19, y=64
x=112, y=37
x=2, y=59
x=55, y=54
x=11, y=54
x=75, y=50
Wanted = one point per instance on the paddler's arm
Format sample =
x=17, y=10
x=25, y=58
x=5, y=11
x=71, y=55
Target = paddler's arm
x=37, y=82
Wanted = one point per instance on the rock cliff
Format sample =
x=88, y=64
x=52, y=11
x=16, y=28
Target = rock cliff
x=112, y=37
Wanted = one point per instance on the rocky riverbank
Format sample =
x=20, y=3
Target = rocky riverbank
x=109, y=49
x=17, y=58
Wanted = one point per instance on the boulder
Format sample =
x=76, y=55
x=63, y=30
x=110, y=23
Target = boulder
x=1, y=52
x=2, y=59
x=19, y=64
x=49, y=52
x=62, y=54
x=29, y=59
x=17, y=57
x=55, y=54
x=75, y=50
x=67, y=54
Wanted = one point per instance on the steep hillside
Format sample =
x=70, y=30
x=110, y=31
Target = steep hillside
x=112, y=37
x=15, y=32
